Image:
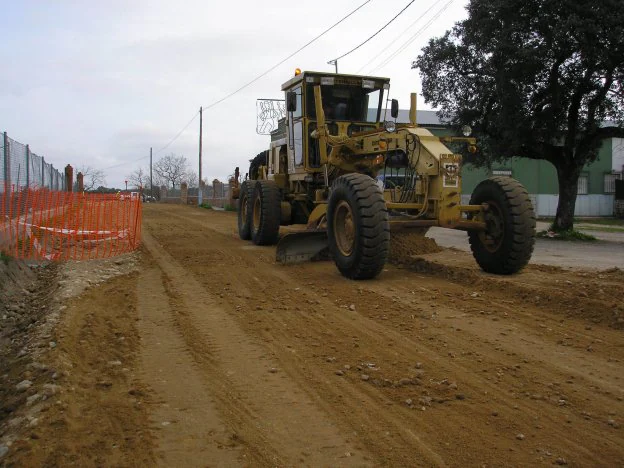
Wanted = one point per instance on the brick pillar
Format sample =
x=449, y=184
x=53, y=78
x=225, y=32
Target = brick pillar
x=80, y=182
x=184, y=193
x=69, y=178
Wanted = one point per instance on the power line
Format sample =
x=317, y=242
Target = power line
x=403, y=46
x=178, y=135
x=123, y=164
x=243, y=87
x=385, y=48
x=158, y=150
x=378, y=31
x=282, y=61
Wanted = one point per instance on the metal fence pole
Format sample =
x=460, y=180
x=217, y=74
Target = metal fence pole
x=7, y=172
x=42, y=172
x=27, y=166
x=51, y=177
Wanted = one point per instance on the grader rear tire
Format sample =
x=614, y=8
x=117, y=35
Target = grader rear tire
x=265, y=212
x=357, y=226
x=244, y=214
x=505, y=247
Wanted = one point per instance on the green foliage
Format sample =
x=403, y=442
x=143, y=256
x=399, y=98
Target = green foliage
x=535, y=79
x=4, y=257
x=229, y=208
x=566, y=235
x=208, y=206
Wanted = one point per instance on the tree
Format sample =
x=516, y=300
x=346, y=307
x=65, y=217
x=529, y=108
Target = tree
x=171, y=170
x=139, y=178
x=92, y=178
x=536, y=79
x=191, y=178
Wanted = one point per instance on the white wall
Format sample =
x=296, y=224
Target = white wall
x=617, y=154
x=586, y=205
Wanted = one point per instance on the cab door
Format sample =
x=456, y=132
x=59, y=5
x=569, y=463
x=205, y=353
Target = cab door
x=295, y=134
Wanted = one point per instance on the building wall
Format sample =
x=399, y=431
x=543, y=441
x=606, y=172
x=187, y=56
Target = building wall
x=618, y=154
x=540, y=180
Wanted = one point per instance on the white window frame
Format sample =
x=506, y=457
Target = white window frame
x=582, y=186
x=609, y=181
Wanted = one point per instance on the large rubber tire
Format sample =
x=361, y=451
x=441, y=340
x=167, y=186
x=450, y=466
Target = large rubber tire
x=261, y=159
x=357, y=226
x=505, y=247
x=244, y=214
x=265, y=212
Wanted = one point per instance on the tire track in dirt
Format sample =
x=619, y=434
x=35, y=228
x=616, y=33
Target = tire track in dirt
x=184, y=417
x=267, y=409
x=380, y=338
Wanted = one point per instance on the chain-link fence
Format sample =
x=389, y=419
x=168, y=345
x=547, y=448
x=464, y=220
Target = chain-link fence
x=22, y=168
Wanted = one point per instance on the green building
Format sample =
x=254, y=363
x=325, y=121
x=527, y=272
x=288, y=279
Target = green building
x=596, y=186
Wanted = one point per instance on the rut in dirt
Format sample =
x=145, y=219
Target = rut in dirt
x=423, y=360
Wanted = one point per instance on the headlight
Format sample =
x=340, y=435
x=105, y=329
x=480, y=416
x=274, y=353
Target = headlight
x=389, y=126
x=466, y=130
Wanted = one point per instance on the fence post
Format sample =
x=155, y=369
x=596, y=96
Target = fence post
x=42, y=172
x=27, y=166
x=69, y=178
x=51, y=177
x=7, y=171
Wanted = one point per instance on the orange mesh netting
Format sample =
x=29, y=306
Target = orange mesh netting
x=41, y=224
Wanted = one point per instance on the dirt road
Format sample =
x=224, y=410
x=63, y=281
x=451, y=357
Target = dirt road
x=229, y=359
x=607, y=252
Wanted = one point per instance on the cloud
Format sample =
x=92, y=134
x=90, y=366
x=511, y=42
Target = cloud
x=99, y=83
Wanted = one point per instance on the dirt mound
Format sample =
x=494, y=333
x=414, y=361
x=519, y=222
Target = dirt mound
x=406, y=244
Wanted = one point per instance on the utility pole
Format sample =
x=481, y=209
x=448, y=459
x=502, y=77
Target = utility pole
x=151, y=184
x=199, y=191
x=335, y=63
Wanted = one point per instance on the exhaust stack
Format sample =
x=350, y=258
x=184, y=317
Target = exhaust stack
x=412, y=114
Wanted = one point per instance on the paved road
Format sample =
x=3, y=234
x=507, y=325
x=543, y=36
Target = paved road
x=607, y=252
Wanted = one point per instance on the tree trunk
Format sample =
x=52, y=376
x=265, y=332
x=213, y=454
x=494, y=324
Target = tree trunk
x=568, y=175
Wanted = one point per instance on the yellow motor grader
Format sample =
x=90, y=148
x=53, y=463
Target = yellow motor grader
x=348, y=177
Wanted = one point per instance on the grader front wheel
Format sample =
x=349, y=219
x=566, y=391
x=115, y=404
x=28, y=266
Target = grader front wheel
x=357, y=226
x=506, y=245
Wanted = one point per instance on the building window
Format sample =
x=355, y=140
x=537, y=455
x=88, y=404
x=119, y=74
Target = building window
x=581, y=188
x=609, y=181
x=502, y=172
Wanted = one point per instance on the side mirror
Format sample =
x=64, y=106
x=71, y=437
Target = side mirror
x=394, y=109
x=291, y=101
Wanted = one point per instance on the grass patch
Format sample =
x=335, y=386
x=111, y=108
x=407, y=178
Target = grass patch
x=229, y=208
x=569, y=235
x=605, y=221
x=602, y=228
x=5, y=258
x=208, y=206
x=602, y=221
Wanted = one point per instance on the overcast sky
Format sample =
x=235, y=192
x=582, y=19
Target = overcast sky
x=98, y=83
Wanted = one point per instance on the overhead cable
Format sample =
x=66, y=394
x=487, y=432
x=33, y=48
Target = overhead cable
x=407, y=43
x=385, y=48
x=378, y=31
x=282, y=61
x=246, y=85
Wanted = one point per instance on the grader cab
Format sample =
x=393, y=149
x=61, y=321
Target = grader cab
x=347, y=177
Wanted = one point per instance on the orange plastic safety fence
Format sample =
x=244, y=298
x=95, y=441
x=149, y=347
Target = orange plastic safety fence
x=40, y=224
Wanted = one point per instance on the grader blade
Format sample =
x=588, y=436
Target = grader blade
x=300, y=247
